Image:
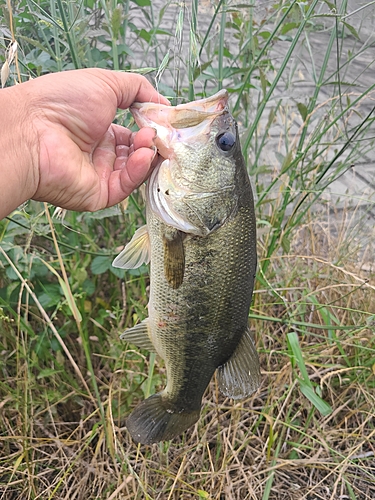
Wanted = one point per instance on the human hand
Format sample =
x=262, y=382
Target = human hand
x=83, y=161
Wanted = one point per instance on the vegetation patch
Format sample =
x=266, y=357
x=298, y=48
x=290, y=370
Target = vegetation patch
x=300, y=75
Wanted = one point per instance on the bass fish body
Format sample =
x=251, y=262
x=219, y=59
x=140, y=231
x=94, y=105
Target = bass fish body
x=201, y=240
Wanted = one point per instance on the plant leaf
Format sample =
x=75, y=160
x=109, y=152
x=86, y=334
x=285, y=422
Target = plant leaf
x=352, y=30
x=323, y=407
x=297, y=353
x=68, y=296
x=302, y=110
x=142, y=3
x=100, y=264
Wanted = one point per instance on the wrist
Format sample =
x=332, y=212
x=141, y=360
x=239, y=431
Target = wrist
x=19, y=171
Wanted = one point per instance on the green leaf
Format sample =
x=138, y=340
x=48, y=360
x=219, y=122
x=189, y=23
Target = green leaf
x=203, y=494
x=302, y=110
x=145, y=35
x=227, y=53
x=352, y=30
x=70, y=299
x=120, y=273
x=323, y=407
x=271, y=117
x=162, y=66
x=101, y=264
x=67, y=292
x=200, y=69
x=142, y=3
x=33, y=42
x=305, y=384
x=88, y=287
x=330, y=5
x=289, y=26
x=285, y=243
x=298, y=357
x=11, y=274
x=38, y=270
x=180, y=22
x=263, y=82
x=162, y=32
x=48, y=372
x=122, y=48
x=265, y=34
x=51, y=295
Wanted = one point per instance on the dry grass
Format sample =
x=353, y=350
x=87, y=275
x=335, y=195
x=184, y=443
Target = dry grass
x=274, y=445
x=59, y=440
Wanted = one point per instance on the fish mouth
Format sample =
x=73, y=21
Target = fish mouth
x=181, y=123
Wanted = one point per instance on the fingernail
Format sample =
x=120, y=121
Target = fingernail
x=155, y=153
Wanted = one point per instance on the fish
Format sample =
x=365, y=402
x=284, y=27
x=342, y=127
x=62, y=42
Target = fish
x=200, y=240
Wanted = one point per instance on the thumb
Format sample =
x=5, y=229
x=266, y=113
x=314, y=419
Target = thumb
x=130, y=87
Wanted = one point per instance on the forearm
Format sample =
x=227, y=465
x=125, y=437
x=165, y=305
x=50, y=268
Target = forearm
x=18, y=179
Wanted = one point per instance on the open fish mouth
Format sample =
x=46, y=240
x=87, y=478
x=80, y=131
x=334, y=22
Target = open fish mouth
x=184, y=123
x=176, y=188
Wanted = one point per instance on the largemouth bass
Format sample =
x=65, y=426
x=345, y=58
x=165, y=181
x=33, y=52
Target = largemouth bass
x=200, y=237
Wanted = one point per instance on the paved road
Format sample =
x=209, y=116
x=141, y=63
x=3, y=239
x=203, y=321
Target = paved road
x=356, y=186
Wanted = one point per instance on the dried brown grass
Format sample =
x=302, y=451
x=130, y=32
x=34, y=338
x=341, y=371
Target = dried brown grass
x=275, y=445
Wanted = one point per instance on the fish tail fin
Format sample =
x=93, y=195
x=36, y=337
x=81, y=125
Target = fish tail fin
x=155, y=419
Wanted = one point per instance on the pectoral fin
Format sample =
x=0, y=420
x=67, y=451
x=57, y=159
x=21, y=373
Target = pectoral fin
x=139, y=335
x=136, y=252
x=240, y=375
x=174, y=257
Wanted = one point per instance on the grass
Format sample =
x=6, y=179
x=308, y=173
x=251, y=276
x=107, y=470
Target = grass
x=300, y=76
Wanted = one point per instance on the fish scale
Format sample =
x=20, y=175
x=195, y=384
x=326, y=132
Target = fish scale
x=213, y=301
x=201, y=274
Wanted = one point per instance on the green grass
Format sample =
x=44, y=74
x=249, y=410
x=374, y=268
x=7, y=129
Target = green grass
x=67, y=382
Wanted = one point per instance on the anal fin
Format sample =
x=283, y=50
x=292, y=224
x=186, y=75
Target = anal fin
x=139, y=335
x=240, y=375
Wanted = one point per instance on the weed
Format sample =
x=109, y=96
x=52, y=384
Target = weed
x=299, y=74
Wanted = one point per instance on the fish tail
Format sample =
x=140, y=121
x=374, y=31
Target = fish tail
x=155, y=419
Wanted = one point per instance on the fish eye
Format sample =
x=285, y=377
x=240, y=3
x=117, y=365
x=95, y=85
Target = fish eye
x=225, y=141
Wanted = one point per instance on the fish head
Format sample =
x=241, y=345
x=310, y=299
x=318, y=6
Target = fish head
x=194, y=187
